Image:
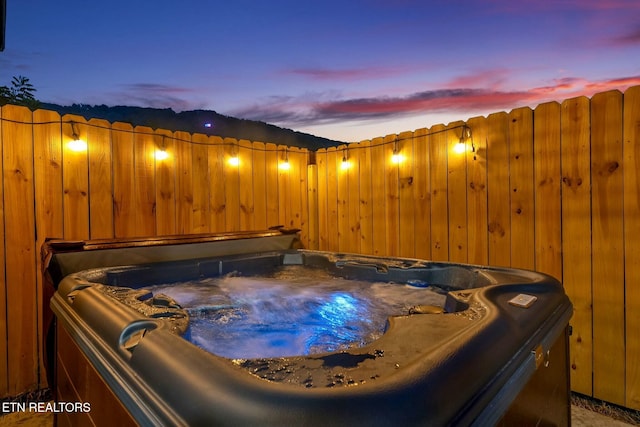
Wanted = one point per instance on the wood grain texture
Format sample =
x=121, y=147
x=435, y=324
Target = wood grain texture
x=100, y=179
x=547, y=199
x=217, y=193
x=201, y=184
x=438, y=147
x=478, y=243
x=406, y=196
x=165, y=170
x=607, y=247
x=75, y=181
x=365, y=197
x=124, y=214
x=422, y=195
x=457, y=194
x=521, y=183
x=576, y=236
x=631, y=170
x=20, y=249
x=144, y=148
x=498, y=190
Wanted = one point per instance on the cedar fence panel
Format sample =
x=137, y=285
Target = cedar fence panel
x=576, y=239
x=116, y=187
x=631, y=171
x=607, y=247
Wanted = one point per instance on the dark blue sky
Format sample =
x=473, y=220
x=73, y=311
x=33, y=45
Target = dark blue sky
x=347, y=70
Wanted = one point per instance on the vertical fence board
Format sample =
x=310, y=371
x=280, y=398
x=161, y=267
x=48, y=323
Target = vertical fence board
x=343, y=200
x=47, y=149
x=323, y=208
x=422, y=196
x=522, y=193
x=365, y=212
x=576, y=236
x=457, y=195
x=332, y=200
x=271, y=169
x=47, y=140
x=144, y=181
x=124, y=220
x=378, y=198
x=259, y=187
x=4, y=341
x=499, y=226
x=245, y=176
x=184, y=183
x=303, y=185
x=350, y=172
x=477, y=202
x=631, y=170
x=353, y=196
x=75, y=180
x=607, y=247
x=439, y=206
x=284, y=192
x=166, y=184
x=100, y=179
x=201, y=184
x=392, y=200
x=295, y=199
x=547, y=201
x=406, y=222
x=216, y=178
x=20, y=249
x=312, y=205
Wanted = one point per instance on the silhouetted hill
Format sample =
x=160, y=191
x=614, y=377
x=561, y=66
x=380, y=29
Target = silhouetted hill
x=197, y=121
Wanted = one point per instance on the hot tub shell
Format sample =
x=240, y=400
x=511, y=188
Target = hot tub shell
x=485, y=361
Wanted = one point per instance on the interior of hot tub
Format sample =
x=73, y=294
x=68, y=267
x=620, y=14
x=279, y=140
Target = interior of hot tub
x=286, y=303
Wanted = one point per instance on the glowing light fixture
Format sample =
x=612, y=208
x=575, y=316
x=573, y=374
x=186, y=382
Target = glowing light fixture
x=346, y=164
x=76, y=144
x=161, y=154
x=461, y=146
x=284, y=164
x=396, y=157
x=233, y=160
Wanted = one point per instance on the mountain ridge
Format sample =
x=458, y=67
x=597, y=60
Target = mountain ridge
x=206, y=122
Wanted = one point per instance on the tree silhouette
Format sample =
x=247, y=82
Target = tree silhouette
x=20, y=93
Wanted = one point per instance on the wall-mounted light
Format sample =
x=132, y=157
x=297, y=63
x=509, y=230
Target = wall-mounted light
x=161, y=153
x=284, y=164
x=461, y=146
x=234, y=160
x=397, y=156
x=76, y=144
x=345, y=164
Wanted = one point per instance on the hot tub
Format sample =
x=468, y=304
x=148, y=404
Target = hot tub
x=487, y=345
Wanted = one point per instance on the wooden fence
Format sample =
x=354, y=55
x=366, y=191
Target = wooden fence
x=556, y=189
x=118, y=187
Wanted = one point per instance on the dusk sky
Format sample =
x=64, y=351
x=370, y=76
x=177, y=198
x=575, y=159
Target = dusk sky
x=345, y=70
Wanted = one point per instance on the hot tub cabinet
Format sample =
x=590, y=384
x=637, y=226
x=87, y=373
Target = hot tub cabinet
x=496, y=353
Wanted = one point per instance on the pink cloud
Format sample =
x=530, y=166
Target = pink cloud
x=345, y=74
x=631, y=38
x=464, y=100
